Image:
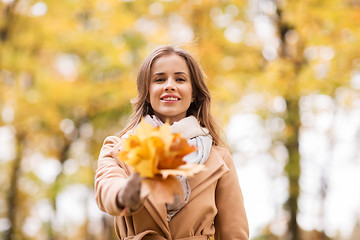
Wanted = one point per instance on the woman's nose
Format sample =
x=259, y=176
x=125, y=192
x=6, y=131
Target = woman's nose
x=169, y=85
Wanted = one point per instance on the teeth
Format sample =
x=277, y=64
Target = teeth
x=170, y=99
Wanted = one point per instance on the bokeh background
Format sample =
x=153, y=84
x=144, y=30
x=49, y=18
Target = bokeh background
x=285, y=81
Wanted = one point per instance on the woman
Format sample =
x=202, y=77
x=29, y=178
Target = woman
x=171, y=88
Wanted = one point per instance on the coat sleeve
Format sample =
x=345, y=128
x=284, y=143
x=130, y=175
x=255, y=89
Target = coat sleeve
x=231, y=221
x=109, y=177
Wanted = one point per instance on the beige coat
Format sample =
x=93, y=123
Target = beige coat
x=215, y=207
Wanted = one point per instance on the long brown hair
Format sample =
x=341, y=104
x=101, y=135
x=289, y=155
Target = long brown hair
x=200, y=107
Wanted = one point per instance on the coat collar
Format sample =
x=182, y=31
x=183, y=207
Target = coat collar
x=215, y=167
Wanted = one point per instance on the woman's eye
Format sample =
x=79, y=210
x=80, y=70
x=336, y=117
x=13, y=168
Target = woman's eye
x=180, y=79
x=159, y=80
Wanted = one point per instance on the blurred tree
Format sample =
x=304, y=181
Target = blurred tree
x=316, y=53
x=62, y=79
x=315, y=45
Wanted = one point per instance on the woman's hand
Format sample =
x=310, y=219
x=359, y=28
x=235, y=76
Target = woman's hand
x=129, y=195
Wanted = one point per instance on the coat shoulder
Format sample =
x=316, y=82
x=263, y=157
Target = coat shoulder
x=222, y=150
x=225, y=154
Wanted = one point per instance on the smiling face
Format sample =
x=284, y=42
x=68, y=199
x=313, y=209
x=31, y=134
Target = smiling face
x=170, y=88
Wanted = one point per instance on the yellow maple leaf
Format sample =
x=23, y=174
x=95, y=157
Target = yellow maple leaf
x=149, y=150
x=157, y=155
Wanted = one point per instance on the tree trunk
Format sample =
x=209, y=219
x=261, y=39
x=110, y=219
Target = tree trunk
x=13, y=190
x=293, y=123
x=54, y=189
x=9, y=21
x=292, y=167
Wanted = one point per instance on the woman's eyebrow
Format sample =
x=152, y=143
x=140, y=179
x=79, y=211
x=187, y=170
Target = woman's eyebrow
x=162, y=73
x=158, y=73
x=177, y=73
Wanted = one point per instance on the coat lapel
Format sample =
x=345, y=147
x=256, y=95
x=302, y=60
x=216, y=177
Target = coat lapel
x=215, y=167
x=159, y=214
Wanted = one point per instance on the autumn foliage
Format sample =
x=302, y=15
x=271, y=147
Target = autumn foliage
x=157, y=155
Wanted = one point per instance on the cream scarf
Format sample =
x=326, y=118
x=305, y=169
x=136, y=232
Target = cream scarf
x=196, y=135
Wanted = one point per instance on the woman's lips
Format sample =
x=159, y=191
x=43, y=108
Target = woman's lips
x=170, y=98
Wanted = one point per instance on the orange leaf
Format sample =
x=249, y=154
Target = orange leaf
x=179, y=148
x=163, y=190
x=157, y=155
x=187, y=170
x=150, y=149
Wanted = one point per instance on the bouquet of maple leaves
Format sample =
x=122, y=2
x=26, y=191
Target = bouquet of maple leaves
x=157, y=155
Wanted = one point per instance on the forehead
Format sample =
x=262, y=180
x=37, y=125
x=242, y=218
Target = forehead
x=169, y=63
